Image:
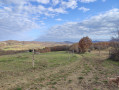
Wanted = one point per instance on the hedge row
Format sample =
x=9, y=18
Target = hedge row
x=2, y=52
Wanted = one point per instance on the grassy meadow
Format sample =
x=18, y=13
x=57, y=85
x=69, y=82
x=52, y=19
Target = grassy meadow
x=57, y=71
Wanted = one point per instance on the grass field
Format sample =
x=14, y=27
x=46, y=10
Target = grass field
x=56, y=71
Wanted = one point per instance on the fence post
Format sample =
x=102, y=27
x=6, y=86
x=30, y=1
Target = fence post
x=109, y=53
x=33, y=59
x=73, y=51
x=69, y=55
x=99, y=51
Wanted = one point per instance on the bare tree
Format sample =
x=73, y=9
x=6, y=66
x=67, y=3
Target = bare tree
x=115, y=39
x=114, y=55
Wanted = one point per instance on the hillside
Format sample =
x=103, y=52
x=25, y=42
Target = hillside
x=24, y=45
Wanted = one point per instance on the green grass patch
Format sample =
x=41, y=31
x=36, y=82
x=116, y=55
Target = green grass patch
x=23, y=61
x=80, y=78
x=69, y=81
x=18, y=89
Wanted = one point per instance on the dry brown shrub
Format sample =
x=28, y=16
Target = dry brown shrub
x=84, y=44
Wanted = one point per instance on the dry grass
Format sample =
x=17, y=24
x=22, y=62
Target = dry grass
x=40, y=45
x=22, y=47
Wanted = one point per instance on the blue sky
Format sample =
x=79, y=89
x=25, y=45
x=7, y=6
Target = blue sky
x=58, y=20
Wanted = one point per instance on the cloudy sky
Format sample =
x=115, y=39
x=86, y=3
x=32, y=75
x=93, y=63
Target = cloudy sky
x=58, y=20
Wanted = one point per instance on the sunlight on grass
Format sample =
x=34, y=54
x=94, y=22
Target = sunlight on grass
x=23, y=61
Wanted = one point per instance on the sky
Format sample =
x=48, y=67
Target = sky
x=58, y=20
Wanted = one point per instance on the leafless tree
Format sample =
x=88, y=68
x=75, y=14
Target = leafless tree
x=115, y=45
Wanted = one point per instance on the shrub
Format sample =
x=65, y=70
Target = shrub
x=55, y=48
x=74, y=47
x=2, y=52
x=115, y=47
x=60, y=48
x=100, y=45
x=84, y=44
x=114, y=54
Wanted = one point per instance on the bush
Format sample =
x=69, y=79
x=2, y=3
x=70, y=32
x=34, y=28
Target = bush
x=100, y=45
x=55, y=48
x=84, y=44
x=114, y=54
x=74, y=47
x=60, y=48
x=114, y=43
x=2, y=52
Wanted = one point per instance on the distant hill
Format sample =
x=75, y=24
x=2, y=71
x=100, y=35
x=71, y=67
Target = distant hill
x=23, y=45
x=15, y=42
x=99, y=41
x=68, y=42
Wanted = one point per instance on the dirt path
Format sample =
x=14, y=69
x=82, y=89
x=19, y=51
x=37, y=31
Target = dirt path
x=91, y=75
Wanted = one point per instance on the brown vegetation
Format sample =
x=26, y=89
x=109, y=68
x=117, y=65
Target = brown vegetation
x=84, y=44
x=2, y=52
x=51, y=49
x=115, y=48
x=74, y=47
x=46, y=49
x=60, y=48
x=100, y=45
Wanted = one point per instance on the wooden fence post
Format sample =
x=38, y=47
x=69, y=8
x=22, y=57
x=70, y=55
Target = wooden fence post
x=33, y=59
x=99, y=51
x=69, y=55
x=73, y=51
x=109, y=53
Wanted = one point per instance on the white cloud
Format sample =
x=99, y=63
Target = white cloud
x=7, y=9
x=15, y=22
x=57, y=10
x=8, y=2
x=55, y=2
x=13, y=25
x=70, y=4
x=41, y=8
x=97, y=27
x=60, y=10
x=58, y=19
x=87, y=1
x=43, y=1
x=19, y=16
x=84, y=9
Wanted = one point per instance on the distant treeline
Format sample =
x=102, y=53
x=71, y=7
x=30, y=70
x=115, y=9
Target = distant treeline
x=51, y=49
x=85, y=44
x=100, y=45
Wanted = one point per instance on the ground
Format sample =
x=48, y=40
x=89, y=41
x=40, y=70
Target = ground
x=58, y=71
